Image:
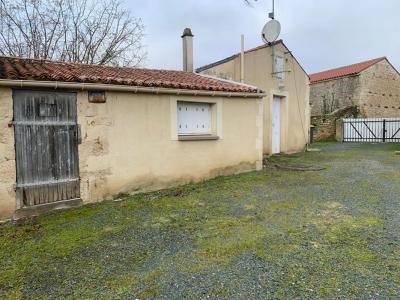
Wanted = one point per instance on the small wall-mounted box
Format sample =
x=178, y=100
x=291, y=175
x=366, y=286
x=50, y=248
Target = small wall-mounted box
x=97, y=96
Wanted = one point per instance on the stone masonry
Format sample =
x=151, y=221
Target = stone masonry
x=325, y=126
x=328, y=96
x=375, y=91
x=380, y=91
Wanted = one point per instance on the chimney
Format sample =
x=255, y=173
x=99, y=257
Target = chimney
x=187, y=39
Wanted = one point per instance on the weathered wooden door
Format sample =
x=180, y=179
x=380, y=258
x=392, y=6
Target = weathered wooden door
x=46, y=142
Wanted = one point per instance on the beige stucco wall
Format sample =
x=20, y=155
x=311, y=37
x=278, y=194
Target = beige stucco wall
x=130, y=144
x=294, y=88
x=7, y=155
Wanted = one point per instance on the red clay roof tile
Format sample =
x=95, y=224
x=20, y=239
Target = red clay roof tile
x=344, y=71
x=15, y=68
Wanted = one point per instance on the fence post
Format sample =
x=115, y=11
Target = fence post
x=339, y=130
x=384, y=130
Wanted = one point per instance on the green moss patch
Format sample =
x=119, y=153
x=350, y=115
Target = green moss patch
x=271, y=234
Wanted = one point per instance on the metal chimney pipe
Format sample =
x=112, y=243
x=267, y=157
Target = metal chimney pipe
x=187, y=41
x=242, y=58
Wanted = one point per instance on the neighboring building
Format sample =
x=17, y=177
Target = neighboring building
x=73, y=132
x=373, y=86
x=286, y=106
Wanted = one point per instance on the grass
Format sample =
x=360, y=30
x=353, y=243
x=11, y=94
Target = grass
x=269, y=234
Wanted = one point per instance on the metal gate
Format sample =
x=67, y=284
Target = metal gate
x=371, y=130
x=46, y=144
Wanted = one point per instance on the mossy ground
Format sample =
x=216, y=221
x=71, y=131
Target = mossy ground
x=269, y=234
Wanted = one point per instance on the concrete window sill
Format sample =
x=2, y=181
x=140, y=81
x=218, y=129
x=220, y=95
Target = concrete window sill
x=206, y=137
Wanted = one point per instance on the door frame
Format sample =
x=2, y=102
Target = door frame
x=284, y=118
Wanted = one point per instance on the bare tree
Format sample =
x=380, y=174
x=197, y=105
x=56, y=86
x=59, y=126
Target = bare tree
x=85, y=31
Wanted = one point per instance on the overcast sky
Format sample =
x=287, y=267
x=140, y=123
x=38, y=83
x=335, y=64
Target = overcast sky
x=322, y=34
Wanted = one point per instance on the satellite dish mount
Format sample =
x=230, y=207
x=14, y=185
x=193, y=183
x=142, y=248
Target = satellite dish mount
x=271, y=15
x=272, y=29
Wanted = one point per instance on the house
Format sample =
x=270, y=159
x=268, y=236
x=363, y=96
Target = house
x=369, y=89
x=373, y=86
x=275, y=70
x=74, y=132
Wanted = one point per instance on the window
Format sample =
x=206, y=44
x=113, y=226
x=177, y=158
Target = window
x=279, y=67
x=194, y=118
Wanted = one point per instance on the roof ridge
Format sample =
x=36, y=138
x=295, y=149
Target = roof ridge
x=57, y=61
x=375, y=60
x=347, y=70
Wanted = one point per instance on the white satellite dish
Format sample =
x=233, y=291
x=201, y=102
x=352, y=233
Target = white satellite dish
x=271, y=31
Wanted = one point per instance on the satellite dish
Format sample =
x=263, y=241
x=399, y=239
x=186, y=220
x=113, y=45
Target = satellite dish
x=271, y=31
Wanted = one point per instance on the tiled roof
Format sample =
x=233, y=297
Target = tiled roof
x=14, y=68
x=344, y=71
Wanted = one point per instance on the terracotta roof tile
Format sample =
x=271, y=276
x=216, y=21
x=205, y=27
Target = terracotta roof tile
x=344, y=71
x=15, y=68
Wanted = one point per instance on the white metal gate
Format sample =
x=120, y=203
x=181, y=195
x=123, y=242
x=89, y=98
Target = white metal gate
x=377, y=130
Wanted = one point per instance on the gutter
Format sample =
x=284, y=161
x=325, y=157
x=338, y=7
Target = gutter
x=123, y=88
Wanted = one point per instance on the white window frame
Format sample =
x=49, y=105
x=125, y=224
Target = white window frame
x=216, y=132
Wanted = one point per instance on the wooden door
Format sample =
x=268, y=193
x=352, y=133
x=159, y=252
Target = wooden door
x=46, y=144
x=276, y=125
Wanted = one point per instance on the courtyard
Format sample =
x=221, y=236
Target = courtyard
x=277, y=233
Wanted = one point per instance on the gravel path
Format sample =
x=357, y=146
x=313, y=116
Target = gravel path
x=275, y=234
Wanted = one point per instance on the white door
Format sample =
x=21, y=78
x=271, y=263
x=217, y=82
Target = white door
x=276, y=125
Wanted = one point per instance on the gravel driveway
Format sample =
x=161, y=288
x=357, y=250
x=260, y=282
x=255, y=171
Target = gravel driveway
x=274, y=234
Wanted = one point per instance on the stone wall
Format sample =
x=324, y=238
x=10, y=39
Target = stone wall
x=325, y=126
x=376, y=91
x=328, y=96
x=380, y=91
x=7, y=155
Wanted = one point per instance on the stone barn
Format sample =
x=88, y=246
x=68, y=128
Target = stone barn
x=369, y=89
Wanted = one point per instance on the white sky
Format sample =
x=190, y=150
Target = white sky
x=322, y=34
